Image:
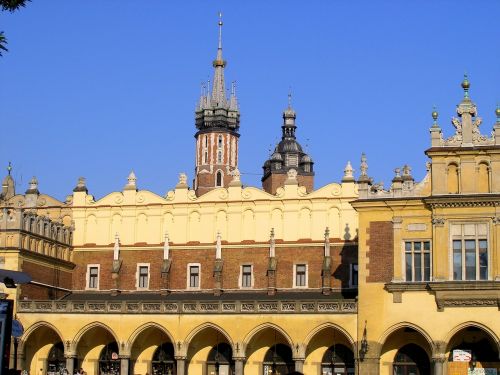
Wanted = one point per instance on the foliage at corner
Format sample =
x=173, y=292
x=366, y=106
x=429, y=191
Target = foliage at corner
x=11, y=6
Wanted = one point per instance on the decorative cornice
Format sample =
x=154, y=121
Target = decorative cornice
x=190, y=307
x=473, y=200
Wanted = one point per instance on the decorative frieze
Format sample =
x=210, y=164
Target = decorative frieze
x=203, y=307
x=438, y=221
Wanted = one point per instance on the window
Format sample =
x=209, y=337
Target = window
x=194, y=275
x=246, y=276
x=205, y=151
x=353, y=282
x=300, y=275
x=143, y=276
x=418, y=260
x=470, y=251
x=219, y=149
x=218, y=178
x=93, y=276
x=292, y=160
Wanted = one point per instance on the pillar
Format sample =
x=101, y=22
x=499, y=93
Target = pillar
x=369, y=366
x=239, y=365
x=181, y=361
x=124, y=361
x=299, y=364
x=70, y=364
x=438, y=365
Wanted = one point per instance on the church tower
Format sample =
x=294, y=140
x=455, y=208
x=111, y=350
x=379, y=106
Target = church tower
x=287, y=155
x=217, y=121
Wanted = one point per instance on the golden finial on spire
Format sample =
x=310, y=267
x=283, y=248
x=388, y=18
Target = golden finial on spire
x=497, y=112
x=466, y=85
x=220, y=30
x=289, y=97
x=9, y=168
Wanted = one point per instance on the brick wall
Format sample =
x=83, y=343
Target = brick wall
x=275, y=180
x=380, y=257
x=233, y=258
x=46, y=274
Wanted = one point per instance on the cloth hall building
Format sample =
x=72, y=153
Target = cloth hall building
x=218, y=278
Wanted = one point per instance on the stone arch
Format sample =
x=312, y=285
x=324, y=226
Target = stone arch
x=319, y=342
x=146, y=326
x=90, y=326
x=204, y=326
x=263, y=326
x=200, y=342
x=248, y=224
x=221, y=223
x=483, y=169
x=470, y=323
x=383, y=338
x=141, y=232
x=277, y=222
x=36, y=344
x=143, y=343
x=319, y=328
x=305, y=220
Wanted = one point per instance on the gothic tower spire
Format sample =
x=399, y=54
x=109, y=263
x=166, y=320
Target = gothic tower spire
x=217, y=120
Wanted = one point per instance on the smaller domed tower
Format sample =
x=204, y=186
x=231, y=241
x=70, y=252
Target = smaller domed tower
x=288, y=154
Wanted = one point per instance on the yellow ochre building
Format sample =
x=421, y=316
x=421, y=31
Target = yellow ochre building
x=220, y=278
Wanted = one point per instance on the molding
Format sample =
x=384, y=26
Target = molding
x=190, y=307
x=460, y=200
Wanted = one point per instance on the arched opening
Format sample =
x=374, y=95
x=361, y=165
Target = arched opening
x=163, y=362
x=152, y=351
x=200, y=357
x=218, y=179
x=220, y=360
x=453, y=187
x=337, y=360
x=472, y=351
x=411, y=359
x=39, y=349
x=109, y=362
x=56, y=363
x=406, y=351
x=329, y=351
x=278, y=360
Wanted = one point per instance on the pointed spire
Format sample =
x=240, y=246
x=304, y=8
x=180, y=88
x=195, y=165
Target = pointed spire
x=218, y=247
x=131, y=182
x=289, y=116
x=233, y=101
x=219, y=91
x=116, y=250
x=348, y=173
x=33, y=186
x=166, y=247
x=9, y=168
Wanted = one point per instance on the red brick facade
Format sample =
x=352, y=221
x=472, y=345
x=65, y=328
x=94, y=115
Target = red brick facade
x=276, y=180
x=380, y=256
x=342, y=256
x=48, y=274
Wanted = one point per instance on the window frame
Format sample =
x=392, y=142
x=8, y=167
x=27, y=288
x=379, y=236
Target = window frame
x=217, y=173
x=242, y=276
x=295, y=274
x=88, y=276
x=422, y=258
x=463, y=238
x=351, y=275
x=188, y=278
x=138, y=276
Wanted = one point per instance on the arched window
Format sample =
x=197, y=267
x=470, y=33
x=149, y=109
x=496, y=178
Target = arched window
x=56, y=362
x=163, y=362
x=109, y=362
x=219, y=149
x=483, y=178
x=218, y=179
x=338, y=360
x=453, y=187
x=220, y=360
x=205, y=150
x=411, y=359
x=278, y=360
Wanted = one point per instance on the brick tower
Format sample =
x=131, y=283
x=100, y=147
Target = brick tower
x=217, y=121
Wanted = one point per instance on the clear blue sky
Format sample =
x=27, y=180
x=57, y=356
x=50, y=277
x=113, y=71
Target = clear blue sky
x=98, y=88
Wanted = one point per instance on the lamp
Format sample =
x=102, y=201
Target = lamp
x=363, y=345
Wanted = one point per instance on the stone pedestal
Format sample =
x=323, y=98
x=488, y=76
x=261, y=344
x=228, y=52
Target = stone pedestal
x=299, y=364
x=239, y=364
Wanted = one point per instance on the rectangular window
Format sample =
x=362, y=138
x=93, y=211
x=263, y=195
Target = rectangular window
x=93, y=276
x=354, y=275
x=246, y=276
x=417, y=260
x=470, y=251
x=300, y=275
x=143, y=276
x=194, y=275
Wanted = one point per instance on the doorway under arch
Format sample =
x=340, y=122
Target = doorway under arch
x=411, y=359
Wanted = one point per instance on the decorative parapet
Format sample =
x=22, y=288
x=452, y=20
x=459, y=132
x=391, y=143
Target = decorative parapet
x=189, y=307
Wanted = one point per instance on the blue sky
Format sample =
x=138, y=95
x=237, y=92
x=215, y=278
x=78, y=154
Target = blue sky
x=98, y=88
